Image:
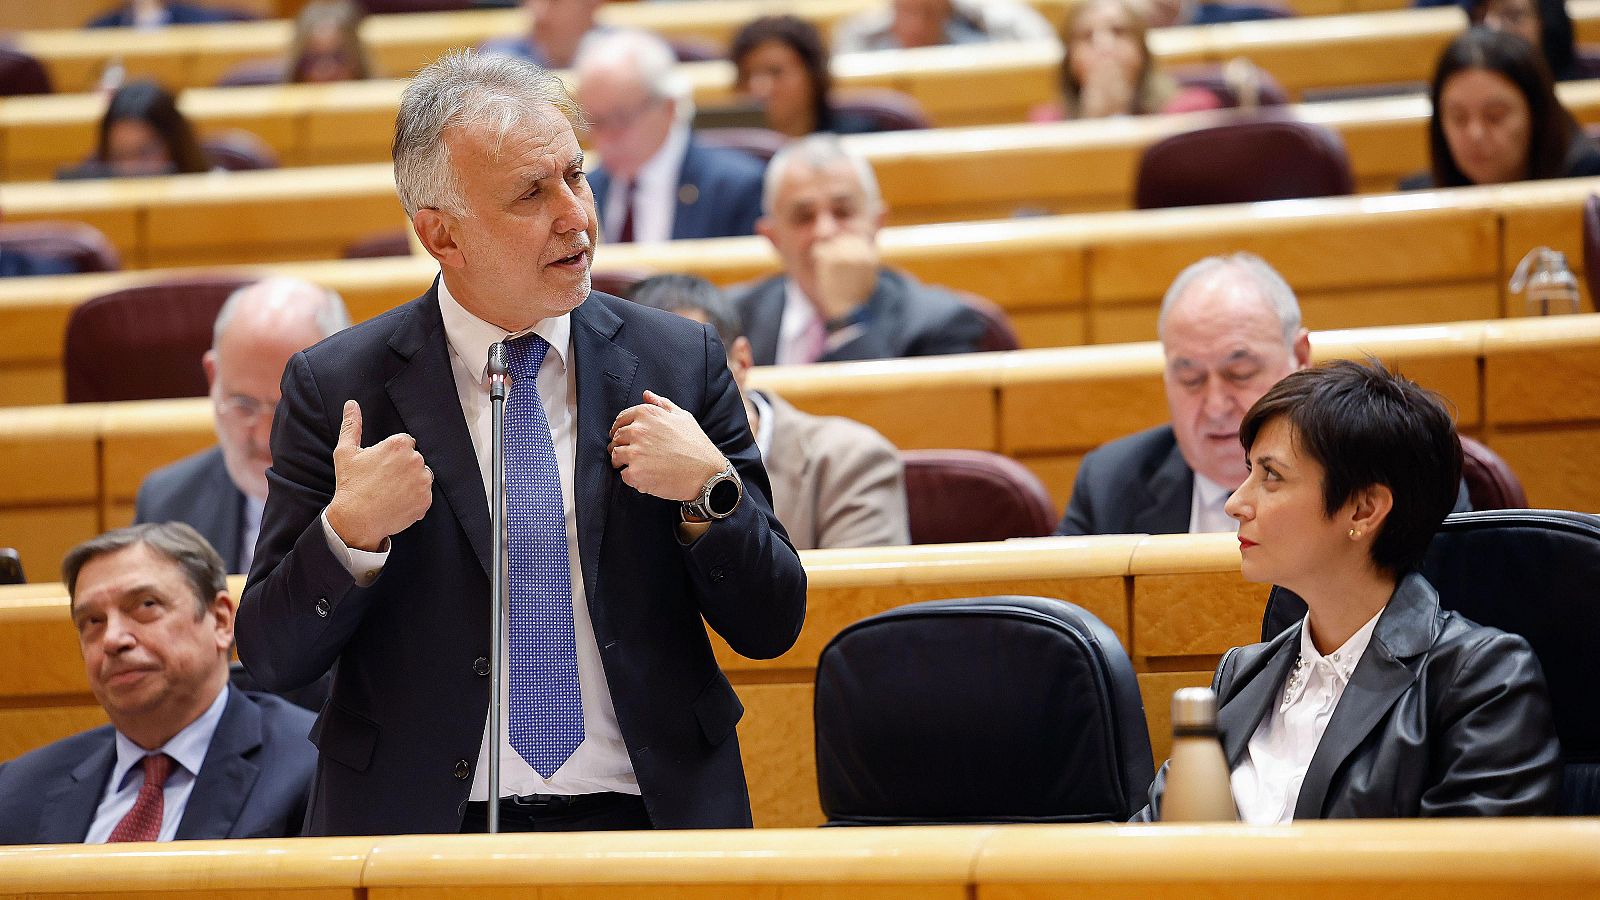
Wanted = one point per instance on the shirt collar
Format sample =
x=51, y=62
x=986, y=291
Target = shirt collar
x=763, y=424
x=1210, y=493
x=660, y=172
x=1342, y=661
x=187, y=748
x=470, y=336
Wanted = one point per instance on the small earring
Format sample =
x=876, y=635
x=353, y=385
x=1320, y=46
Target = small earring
x=1354, y=534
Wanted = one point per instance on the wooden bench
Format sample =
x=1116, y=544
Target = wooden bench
x=1527, y=388
x=1066, y=280
x=1417, y=860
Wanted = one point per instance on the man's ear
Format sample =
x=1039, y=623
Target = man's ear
x=209, y=363
x=740, y=360
x=1302, y=349
x=764, y=228
x=222, y=611
x=436, y=231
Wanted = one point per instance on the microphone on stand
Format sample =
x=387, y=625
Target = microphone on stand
x=499, y=380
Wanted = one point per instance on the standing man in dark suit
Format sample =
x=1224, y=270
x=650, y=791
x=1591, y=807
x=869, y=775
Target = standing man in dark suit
x=1230, y=329
x=637, y=511
x=835, y=300
x=222, y=491
x=185, y=757
x=655, y=181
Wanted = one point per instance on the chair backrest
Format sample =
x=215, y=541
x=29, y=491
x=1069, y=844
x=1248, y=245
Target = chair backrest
x=1490, y=482
x=615, y=283
x=1534, y=573
x=885, y=108
x=237, y=151
x=998, y=333
x=83, y=246
x=21, y=74
x=253, y=72
x=1243, y=162
x=1591, y=247
x=11, y=567
x=955, y=496
x=383, y=243
x=144, y=342
x=762, y=143
x=995, y=709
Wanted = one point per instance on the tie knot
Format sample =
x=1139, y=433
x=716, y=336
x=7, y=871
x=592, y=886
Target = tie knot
x=525, y=354
x=157, y=768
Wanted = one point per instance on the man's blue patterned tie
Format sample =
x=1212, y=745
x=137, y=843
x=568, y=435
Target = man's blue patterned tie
x=545, y=709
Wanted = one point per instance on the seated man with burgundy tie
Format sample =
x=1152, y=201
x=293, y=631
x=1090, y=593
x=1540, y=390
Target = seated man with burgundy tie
x=186, y=757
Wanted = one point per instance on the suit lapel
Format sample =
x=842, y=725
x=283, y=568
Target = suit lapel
x=686, y=218
x=229, y=512
x=70, y=805
x=226, y=776
x=605, y=373
x=764, y=318
x=789, y=469
x=1240, y=715
x=433, y=416
x=1171, y=491
x=1406, y=629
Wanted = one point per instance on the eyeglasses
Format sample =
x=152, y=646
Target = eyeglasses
x=244, y=408
x=623, y=119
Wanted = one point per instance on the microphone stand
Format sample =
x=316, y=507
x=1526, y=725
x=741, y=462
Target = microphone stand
x=498, y=382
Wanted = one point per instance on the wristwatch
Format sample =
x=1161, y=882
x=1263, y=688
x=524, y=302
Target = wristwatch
x=718, y=499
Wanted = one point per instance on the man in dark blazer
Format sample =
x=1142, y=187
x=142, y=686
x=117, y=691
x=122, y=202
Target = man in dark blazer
x=221, y=491
x=375, y=549
x=1230, y=329
x=655, y=181
x=156, y=13
x=156, y=646
x=835, y=300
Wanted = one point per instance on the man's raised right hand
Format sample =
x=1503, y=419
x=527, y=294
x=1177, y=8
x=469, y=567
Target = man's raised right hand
x=379, y=490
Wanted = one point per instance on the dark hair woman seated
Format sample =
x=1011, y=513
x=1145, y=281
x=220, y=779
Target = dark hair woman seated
x=1496, y=118
x=1378, y=704
x=782, y=65
x=142, y=133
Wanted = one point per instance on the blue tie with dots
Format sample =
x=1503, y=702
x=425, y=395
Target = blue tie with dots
x=544, y=709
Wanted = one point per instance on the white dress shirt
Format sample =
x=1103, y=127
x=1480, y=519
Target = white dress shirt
x=655, y=202
x=763, y=424
x=601, y=762
x=1206, y=513
x=795, y=336
x=187, y=749
x=1266, y=785
x=253, y=508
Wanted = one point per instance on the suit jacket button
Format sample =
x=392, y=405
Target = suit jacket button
x=323, y=607
x=462, y=770
x=480, y=666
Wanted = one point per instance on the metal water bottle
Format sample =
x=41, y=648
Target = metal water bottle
x=1198, y=788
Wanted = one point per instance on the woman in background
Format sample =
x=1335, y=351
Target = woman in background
x=1496, y=118
x=327, y=44
x=1107, y=69
x=782, y=66
x=143, y=133
x=1378, y=704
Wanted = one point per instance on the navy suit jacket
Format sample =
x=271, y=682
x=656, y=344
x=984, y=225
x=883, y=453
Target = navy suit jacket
x=401, y=734
x=902, y=317
x=177, y=14
x=253, y=783
x=719, y=192
x=198, y=491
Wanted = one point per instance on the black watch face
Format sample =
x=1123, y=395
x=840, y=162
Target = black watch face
x=724, y=496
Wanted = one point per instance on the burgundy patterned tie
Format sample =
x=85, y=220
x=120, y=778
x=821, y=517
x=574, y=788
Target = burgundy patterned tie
x=143, y=822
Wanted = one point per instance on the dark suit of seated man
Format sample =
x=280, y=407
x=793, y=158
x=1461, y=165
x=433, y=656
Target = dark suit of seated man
x=185, y=757
x=835, y=300
x=157, y=13
x=222, y=491
x=655, y=181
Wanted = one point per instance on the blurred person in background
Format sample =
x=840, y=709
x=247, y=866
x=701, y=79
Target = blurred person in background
x=142, y=133
x=158, y=14
x=327, y=44
x=556, y=31
x=1496, y=118
x=782, y=65
x=1108, y=70
x=905, y=24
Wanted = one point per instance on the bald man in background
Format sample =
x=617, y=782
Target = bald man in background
x=222, y=491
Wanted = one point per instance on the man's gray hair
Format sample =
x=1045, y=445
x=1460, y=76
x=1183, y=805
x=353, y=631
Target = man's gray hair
x=650, y=60
x=177, y=541
x=818, y=151
x=329, y=314
x=464, y=89
x=1274, y=291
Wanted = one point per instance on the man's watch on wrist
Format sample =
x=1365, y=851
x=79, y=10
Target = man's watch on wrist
x=719, y=497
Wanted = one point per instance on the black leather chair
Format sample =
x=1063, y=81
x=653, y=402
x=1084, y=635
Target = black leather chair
x=956, y=496
x=1530, y=572
x=995, y=709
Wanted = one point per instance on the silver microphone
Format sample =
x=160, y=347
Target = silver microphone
x=497, y=371
x=497, y=583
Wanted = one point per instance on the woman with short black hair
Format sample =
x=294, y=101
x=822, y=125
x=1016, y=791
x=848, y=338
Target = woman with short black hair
x=1378, y=704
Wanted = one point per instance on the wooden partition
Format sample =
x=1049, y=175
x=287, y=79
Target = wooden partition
x=1063, y=280
x=1528, y=388
x=1418, y=860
